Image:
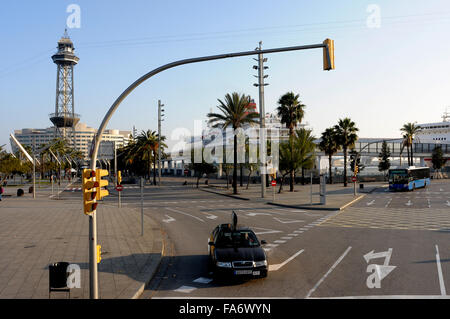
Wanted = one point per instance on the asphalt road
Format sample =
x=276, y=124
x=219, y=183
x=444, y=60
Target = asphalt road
x=387, y=245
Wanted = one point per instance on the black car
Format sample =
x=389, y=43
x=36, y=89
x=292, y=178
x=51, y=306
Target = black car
x=236, y=252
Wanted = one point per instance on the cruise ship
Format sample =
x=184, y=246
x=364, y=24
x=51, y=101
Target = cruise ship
x=438, y=133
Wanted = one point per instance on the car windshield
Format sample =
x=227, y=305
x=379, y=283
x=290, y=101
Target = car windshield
x=239, y=238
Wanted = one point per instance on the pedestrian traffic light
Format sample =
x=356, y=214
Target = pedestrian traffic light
x=119, y=177
x=99, y=173
x=99, y=253
x=328, y=55
x=89, y=191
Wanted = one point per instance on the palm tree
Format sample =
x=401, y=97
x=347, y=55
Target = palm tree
x=234, y=113
x=410, y=130
x=147, y=146
x=302, y=155
x=329, y=145
x=346, y=137
x=291, y=111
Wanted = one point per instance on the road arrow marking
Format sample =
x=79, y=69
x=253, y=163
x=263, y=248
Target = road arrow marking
x=180, y=212
x=383, y=271
x=209, y=216
x=278, y=266
x=408, y=203
x=288, y=221
x=372, y=255
x=169, y=219
x=448, y=203
x=370, y=203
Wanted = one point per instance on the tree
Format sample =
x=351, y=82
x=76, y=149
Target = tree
x=291, y=111
x=437, y=158
x=202, y=168
x=384, y=163
x=147, y=146
x=410, y=130
x=300, y=156
x=235, y=113
x=329, y=145
x=346, y=137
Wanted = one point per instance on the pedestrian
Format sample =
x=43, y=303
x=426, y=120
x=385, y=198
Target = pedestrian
x=1, y=192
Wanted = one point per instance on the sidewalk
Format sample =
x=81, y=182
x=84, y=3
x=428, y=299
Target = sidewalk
x=338, y=197
x=36, y=233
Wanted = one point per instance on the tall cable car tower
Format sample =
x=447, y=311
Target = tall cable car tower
x=65, y=117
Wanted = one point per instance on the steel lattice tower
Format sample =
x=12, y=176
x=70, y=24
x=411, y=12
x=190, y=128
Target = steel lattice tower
x=65, y=117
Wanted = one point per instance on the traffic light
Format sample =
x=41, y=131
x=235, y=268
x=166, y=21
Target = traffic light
x=328, y=55
x=101, y=183
x=89, y=191
x=119, y=177
x=99, y=253
x=356, y=169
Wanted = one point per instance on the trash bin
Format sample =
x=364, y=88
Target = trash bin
x=30, y=190
x=57, y=277
x=20, y=192
x=361, y=186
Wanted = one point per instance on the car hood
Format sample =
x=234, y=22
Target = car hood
x=241, y=253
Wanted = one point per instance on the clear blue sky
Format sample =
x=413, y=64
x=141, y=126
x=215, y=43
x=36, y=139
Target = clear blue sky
x=384, y=76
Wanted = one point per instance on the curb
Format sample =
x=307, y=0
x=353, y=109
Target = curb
x=227, y=195
x=317, y=207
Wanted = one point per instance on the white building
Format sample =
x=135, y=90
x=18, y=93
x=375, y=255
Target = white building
x=84, y=134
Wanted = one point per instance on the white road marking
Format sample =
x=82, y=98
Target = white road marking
x=441, y=278
x=408, y=203
x=256, y=214
x=293, y=235
x=180, y=212
x=288, y=221
x=185, y=289
x=429, y=204
x=370, y=203
x=278, y=266
x=286, y=238
x=169, y=219
x=203, y=280
x=448, y=203
x=389, y=201
x=298, y=231
x=209, y=216
x=328, y=272
x=266, y=231
x=279, y=241
x=272, y=245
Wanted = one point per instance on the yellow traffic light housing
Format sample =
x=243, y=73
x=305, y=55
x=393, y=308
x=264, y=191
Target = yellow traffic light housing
x=99, y=253
x=89, y=191
x=101, y=183
x=328, y=55
x=119, y=177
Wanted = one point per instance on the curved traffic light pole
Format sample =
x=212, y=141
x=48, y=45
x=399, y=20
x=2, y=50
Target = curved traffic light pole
x=93, y=275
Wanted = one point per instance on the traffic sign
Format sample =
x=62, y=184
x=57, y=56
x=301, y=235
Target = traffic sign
x=119, y=188
x=274, y=183
x=354, y=179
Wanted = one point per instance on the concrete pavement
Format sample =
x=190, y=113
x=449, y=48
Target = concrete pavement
x=36, y=233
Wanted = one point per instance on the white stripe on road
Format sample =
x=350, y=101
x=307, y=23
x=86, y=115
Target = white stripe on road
x=328, y=272
x=180, y=212
x=278, y=266
x=185, y=289
x=279, y=241
x=441, y=278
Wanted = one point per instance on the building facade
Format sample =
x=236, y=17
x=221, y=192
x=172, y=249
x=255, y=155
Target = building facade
x=84, y=135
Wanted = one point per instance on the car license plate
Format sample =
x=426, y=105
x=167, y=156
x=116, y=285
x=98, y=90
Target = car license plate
x=256, y=273
x=243, y=272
